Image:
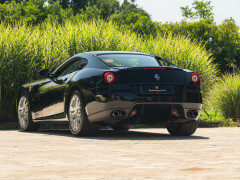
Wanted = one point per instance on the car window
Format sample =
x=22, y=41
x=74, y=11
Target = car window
x=165, y=62
x=129, y=60
x=74, y=66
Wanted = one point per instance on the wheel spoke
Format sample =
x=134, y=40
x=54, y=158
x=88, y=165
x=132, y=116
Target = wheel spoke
x=23, y=112
x=75, y=113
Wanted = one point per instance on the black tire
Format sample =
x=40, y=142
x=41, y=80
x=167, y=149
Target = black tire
x=84, y=127
x=182, y=129
x=123, y=127
x=28, y=124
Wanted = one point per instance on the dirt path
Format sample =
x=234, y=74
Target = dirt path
x=212, y=153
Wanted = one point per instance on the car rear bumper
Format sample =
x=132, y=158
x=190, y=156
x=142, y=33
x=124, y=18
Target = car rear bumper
x=106, y=115
x=125, y=98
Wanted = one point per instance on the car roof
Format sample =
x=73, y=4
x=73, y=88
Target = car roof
x=93, y=61
x=95, y=53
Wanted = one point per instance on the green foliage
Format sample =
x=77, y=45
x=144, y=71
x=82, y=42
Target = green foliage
x=107, y=7
x=222, y=40
x=200, y=10
x=55, y=12
x=33, y=11
x=135, y=22
x=211, y=117
x=133, y=18
x=25, y=49
x=225, y=96
x=10, y=12
x=129, y=7
x=37, y=11
x=226, y=45
x=91, y=12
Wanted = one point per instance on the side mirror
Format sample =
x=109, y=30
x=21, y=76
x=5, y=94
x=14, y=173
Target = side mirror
x=45, y=73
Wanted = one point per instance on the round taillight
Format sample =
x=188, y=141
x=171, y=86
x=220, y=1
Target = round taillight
x=109, y=77
x=195, y=77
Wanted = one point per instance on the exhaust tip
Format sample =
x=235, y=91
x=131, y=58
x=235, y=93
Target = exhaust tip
x=192, y=114
x=115, y=113
x=118, y=113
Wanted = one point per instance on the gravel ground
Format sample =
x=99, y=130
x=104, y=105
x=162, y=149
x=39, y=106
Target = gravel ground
x=211, y=153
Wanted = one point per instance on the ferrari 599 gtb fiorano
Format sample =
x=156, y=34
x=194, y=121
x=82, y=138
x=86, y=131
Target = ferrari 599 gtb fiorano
x=116, y=89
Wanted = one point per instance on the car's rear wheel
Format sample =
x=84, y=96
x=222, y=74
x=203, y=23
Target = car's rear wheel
x=78, y=121
x=24, y=115
x=182, y=129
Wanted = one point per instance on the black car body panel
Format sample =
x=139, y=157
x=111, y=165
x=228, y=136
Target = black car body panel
x=157, y=89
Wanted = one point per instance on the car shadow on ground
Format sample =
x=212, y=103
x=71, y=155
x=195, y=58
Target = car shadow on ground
x=122, y=135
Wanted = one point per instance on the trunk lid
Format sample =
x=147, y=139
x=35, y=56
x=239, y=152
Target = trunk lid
x=154, y=75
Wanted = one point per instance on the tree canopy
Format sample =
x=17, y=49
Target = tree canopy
x=200, y=10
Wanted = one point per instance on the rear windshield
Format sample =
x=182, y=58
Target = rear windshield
x=129, y=60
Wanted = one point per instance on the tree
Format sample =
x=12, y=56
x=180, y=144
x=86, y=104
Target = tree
x=65, y=3
x=107, y=7
x=55, y=12
x=131, y=17
x=129, y=7
x=33, y=11
x=135, y=22
x=200, y=10
x=91, y=12
x=226, y=45
x=78, y=5
x=222, y=40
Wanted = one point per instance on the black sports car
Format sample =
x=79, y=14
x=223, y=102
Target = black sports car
x=115, y=89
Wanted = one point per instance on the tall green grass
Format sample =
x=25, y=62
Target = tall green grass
x=225, y=96
x=25, y=49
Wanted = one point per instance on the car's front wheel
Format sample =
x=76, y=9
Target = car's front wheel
x=183, y=128
x=78, y=121
x=24, y=115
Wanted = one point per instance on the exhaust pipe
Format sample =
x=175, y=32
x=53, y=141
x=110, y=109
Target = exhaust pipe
x=118, y=114
x=115, y=114
x=192, y=114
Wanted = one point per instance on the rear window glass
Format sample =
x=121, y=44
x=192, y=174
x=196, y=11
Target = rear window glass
x=129, y=60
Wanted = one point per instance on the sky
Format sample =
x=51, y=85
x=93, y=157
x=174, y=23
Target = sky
x=169, y=10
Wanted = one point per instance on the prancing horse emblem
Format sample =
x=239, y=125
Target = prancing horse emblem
x=157, y=77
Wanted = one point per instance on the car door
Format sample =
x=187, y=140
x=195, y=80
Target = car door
x=51, y=95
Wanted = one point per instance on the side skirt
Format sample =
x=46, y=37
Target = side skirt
x=62, y=117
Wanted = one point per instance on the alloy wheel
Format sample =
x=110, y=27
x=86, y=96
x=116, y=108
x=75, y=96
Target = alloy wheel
x=23, y=114
x=75, y=113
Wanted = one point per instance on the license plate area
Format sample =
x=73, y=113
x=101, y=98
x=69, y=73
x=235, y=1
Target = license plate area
x=156, y=90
